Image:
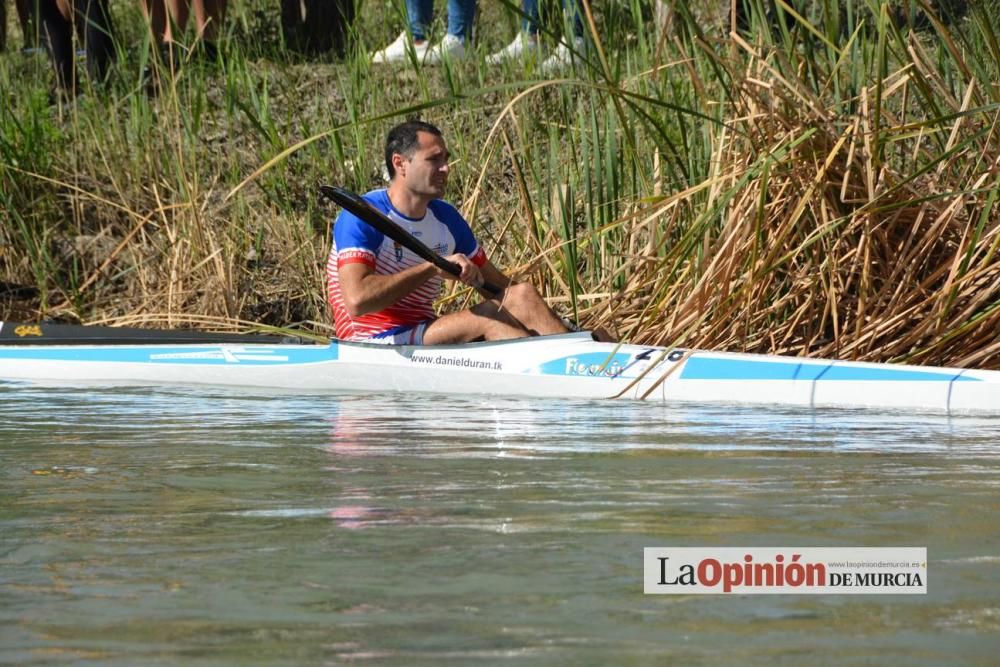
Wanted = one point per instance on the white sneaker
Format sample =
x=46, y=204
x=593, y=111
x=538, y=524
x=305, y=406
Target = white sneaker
x=563, y=57
x=524, y=47
x=451, y=48
x=398, y=50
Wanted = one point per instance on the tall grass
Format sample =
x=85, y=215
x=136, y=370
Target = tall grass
x=823, y=184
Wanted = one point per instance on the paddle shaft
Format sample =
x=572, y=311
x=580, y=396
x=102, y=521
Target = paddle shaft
x=380, y=221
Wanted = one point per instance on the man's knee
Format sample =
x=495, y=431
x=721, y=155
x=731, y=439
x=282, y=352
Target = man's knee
x=522, y=293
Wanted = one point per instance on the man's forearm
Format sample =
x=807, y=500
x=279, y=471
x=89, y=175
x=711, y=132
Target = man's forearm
x=377, y=292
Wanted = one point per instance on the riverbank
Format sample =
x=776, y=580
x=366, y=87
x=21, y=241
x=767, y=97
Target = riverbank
x=828, y=188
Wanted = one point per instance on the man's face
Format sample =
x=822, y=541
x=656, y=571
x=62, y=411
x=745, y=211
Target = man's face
x=426, y=173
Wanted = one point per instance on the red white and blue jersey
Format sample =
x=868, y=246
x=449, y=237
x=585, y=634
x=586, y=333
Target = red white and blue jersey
x=442, y=228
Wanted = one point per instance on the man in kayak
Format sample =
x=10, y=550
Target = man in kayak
x=382, y=292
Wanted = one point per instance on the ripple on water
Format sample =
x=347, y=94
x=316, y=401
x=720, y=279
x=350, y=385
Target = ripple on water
x=168, y=525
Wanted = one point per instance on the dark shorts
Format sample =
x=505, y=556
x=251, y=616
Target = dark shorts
x=405, y=334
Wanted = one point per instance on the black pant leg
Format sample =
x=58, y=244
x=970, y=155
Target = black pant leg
x=97, y=36
x=57, y=32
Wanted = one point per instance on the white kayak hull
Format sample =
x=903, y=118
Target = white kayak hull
x=566, y=366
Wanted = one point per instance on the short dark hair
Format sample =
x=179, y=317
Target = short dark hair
x=402, y=139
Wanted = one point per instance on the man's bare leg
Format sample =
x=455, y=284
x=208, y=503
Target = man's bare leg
x=483, y=322
x=519, y=312
x=522, y=303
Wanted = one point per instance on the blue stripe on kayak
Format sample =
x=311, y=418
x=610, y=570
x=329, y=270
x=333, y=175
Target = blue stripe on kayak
x=709, y=368
x=209, y=355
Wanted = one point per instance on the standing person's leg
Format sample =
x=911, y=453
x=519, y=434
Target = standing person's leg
x=461, y=18
x=573, y=15
x=530, y=21
x=164, y=16
x=155, y=12
x=93, y=26
x=572, y=45
x=317, y=26
x=525, y=44
x=420, y=13
x=57, y=31
x=208, y=16
x=166, y=20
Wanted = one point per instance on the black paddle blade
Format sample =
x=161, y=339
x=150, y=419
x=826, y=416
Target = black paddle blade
x=16, y=333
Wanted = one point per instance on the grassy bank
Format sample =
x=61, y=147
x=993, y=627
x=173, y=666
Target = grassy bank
x=825, y=185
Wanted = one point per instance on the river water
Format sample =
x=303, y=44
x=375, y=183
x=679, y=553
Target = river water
x=160, y=526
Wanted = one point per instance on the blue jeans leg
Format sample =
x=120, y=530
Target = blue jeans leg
x=529, y=22
x=420, y=14
x=574, y=14
x=461, y=16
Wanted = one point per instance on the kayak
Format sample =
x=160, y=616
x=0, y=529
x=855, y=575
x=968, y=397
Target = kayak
x=562, y=366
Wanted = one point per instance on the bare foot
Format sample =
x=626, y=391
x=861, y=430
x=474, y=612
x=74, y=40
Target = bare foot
x=601, y=335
